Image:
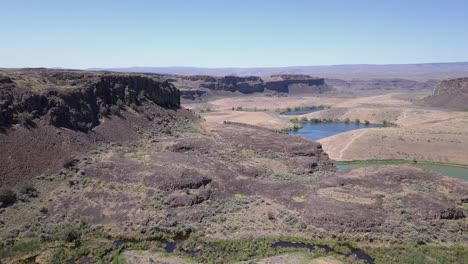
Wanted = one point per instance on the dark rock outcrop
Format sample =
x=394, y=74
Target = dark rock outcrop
x=288, y=83
x=283, y=83
x=451, y=94
x=75, y=99
x=246, y=85
x=191, y=94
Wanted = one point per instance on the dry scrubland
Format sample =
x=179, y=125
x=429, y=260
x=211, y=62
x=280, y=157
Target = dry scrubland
x=132, y=177
x=422, y=133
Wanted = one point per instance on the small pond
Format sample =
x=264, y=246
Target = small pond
x=359, y=254
x=322, y=130
x=448, y=170
x=302, y=111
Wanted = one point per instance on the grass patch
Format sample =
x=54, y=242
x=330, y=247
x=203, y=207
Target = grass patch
x=20, y=248
x=425, y=254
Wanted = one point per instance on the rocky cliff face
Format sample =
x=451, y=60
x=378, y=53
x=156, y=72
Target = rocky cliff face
x=288, y=83
x=452, y=94
x=76, y=99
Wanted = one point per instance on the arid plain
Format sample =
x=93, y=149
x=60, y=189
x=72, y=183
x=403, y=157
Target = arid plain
x=421, y=133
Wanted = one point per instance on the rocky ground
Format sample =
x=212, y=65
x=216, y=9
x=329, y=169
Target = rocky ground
x=157, y=184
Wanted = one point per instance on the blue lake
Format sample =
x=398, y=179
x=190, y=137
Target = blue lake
x=322, y=130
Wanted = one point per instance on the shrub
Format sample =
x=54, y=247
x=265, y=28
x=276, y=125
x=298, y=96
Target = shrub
x=27, y=191
x=296, y=127
x=115, y=110
x=25, y=119
x=346, y=121
x=357, y=121
x=104, y=110
x=294, y=120
x=366, y=122
x=233, y=108
x=239, y=108
x=271, y=216
x=384, y=123
x=135, y=107
x=304, y=119
x=7, y=197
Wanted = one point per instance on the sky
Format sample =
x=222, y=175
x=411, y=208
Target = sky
x=229, y=33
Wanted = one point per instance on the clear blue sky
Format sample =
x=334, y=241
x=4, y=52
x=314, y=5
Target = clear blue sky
x=209, y=33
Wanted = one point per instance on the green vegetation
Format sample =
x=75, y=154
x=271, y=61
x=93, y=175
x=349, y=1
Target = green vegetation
x=386, y=123
x=357, y=121
x=235, y=250
x=205, y=110
x=25, y=119
x=346, y=121
x=19, y=248
x=366, y=122
x=424, y=254
x=449, y=169
x=253, y=109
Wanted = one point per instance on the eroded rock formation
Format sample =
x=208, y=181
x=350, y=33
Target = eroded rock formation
x=75, y=99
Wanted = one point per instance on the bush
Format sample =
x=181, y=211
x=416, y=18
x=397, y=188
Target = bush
x=270, y=216
x=239, y=108
x=104, y=110
x=294, y=120
x=25, y=119
x=366, y=122
x=115, y=110
x=27, y=191
x=346, y=121
x=7, y=197
x=357, y=121
x=304, y=119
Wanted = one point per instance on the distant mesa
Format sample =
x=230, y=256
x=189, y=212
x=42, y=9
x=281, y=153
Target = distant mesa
x=286, y=83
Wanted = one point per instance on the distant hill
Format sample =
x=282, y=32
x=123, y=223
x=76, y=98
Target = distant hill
x=425, y=71
x=452, y=94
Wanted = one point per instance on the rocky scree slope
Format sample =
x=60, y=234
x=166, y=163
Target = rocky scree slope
x=48, y=117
